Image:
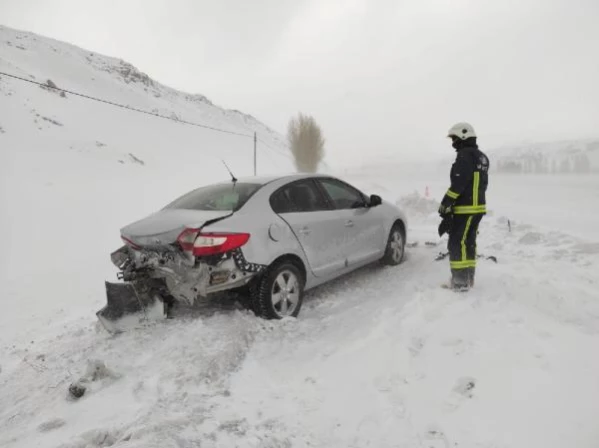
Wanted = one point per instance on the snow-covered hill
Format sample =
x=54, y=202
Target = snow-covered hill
x=73, y=171
x=382, y=358
x=68, y=67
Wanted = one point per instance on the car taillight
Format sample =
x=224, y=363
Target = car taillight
x=218, y=243
x=205, y=244
x=187, y=238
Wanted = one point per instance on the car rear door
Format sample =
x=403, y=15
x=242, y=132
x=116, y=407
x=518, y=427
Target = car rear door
x=363, y=225
x=318, y=227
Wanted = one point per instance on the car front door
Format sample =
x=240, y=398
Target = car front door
x=316, y=225
x=363, y=225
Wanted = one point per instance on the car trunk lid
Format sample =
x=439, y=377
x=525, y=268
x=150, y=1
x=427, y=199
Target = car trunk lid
x=164, y=226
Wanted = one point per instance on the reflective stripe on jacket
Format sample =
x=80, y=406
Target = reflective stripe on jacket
x=469, y=179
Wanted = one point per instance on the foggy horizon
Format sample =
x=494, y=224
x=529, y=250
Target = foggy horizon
x=381, y=78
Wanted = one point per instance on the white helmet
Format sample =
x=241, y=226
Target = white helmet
x=461, y=130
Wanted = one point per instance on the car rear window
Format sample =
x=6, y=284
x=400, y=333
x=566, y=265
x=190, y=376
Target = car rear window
x=222, y=197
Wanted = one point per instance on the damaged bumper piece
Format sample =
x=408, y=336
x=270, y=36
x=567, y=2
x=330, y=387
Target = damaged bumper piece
x=129, y=305
x=155, y=278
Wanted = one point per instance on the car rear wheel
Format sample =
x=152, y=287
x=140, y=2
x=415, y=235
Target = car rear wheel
x=279, y=292
x=396, y=245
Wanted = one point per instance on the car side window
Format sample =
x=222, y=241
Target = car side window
x=302, y=196
x=343, y=195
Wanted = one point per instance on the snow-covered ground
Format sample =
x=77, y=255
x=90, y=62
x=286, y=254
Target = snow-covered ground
x=381, y=358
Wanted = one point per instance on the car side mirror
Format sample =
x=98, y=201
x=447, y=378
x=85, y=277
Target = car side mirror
x=375, y=200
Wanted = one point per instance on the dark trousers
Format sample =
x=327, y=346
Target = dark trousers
x=462, y=248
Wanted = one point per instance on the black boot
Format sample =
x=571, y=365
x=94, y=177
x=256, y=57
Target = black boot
x=460, y=279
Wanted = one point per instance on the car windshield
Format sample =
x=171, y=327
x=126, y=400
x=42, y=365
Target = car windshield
x=221, y=197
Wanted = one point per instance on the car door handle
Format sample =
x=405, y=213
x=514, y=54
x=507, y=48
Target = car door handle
x=305, y=231
x=349, y=223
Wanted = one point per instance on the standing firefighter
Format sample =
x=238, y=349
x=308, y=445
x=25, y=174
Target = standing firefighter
x=464, y=205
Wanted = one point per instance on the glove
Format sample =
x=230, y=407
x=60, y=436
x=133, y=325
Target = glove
x=447, y=203
x=446, y=206
x=445, y=225
x=444, y=210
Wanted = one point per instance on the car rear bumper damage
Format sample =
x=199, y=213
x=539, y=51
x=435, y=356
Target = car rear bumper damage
x=186, y=277
x=154, y=275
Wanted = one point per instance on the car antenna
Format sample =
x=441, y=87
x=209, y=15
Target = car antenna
x=233, y=178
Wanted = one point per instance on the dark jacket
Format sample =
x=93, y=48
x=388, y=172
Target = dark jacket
x=469, y=179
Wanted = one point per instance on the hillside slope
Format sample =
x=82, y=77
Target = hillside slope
x=73, y=171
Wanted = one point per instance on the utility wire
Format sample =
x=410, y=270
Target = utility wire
x=123, y=106
x=275, y=150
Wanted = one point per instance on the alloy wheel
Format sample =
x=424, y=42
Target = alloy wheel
x=285, y=293
x=396, y=246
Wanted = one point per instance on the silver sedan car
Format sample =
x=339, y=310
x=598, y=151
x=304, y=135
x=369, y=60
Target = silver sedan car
x=273, y=238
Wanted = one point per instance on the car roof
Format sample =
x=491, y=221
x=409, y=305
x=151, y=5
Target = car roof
x=263, y=180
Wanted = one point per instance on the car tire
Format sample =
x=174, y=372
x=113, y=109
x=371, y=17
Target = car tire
x=396, y=247
x=279, y=292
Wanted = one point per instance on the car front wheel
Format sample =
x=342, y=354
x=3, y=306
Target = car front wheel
x=396, y=245
x=279, y=292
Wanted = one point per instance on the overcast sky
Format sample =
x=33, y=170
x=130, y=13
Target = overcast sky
x=380, y=76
